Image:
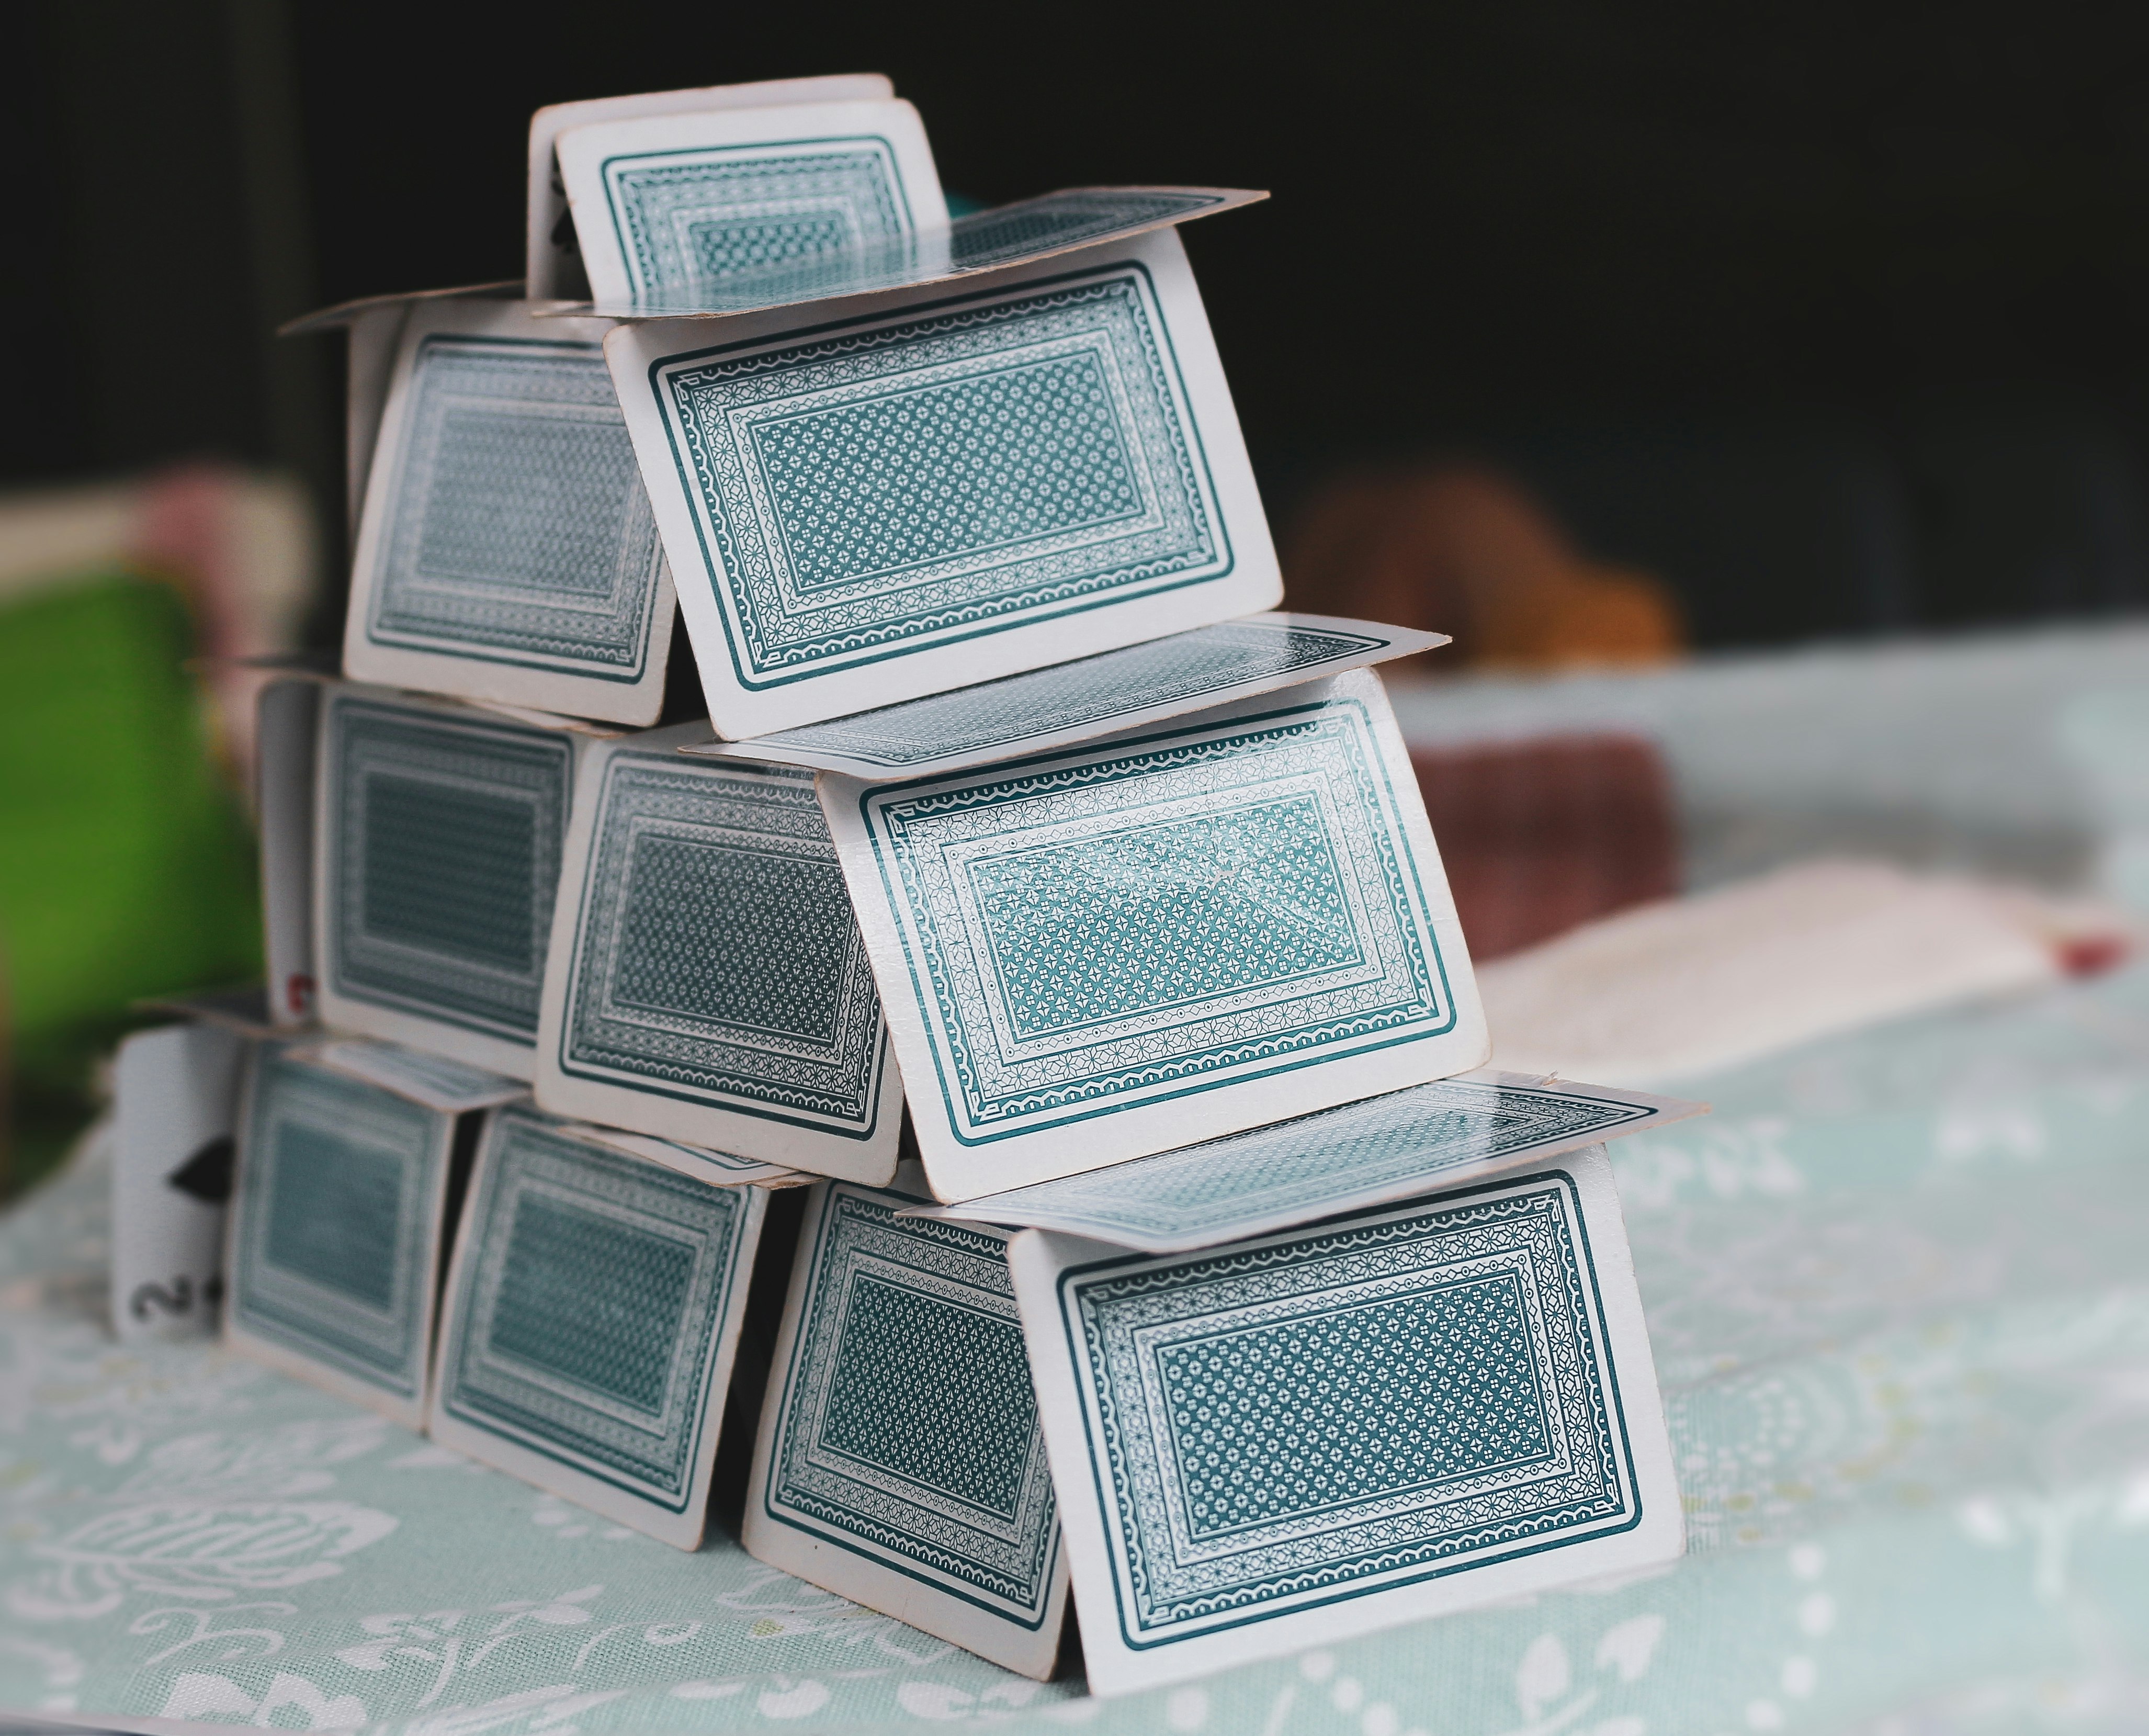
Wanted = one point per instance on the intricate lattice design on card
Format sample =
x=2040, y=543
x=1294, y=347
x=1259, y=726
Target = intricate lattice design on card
x=864, y=492
x=589, y=1313
x=717, y=956
x=334, y=1225
x=907, y=1430
x=518, y=527
x=443, y=845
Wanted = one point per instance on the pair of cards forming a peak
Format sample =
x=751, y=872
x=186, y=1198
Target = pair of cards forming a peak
x=1275, y=1390
x=1005, y=445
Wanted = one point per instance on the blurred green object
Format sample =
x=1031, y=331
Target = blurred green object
x=126, y=866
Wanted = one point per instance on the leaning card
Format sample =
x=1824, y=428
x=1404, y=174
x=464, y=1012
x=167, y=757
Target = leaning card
x=1299, y=1439
x=664, y=201
x=437, y=838
x=869, y=500
x=899, y=1462
x=553, y=263
x=339, y=1216
x=1155, y=939
x=506, y=550
x=592, y=1314
x=707, y=982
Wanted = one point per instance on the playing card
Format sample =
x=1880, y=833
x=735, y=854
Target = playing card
x=708, y=982
x=667, y=199
x=553, y=261
x=433, y=1080
x=990, y=240
x=339, y=1216
x=592, y=1315
x=1171, y=934
x=1067, y=703
x=437, y=843
x=175, y=1095
x=1301, y=1438
x=506, y=550
x=898, y=1462
x=881, y=499
x=719, y=1169
x=287, y=724
x=1351, y=1157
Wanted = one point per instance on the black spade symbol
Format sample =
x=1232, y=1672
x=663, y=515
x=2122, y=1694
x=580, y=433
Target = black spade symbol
x=207, y=1174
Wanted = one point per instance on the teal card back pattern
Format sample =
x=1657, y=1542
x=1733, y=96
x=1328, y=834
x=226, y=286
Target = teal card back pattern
x=683, y=216
x=519, y=531
x=1003, y=459
x=1181, y=668
x=1313, y=1165
x=443, y=859
x=589, y=1317
x=333, y=1224
x=717, y=956
x=1103, y=931
x=1306, y=1420
x=907, y=1430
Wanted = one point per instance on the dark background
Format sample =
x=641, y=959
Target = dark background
x=1833, y=317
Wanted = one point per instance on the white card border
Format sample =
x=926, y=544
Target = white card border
x=1253, y=583
x=531, y=682
x=960, y=1172
x=282, y=1357
x=583, y=150
x=682, y=1530
x=763, y=1139
x=857, y=1576
x=1038, y=1259
x=347, y=1017
x=548, y=273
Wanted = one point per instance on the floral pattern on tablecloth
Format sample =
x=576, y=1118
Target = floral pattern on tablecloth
x=1898, y=1288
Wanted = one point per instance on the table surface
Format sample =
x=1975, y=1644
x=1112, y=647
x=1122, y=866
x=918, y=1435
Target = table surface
x=1899, y=1293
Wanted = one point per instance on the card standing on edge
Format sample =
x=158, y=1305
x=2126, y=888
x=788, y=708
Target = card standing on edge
x=552, y=266
x=341, y=1208
x=507, y=551
x=437, y=841
x=592, y=1314
x=1299, y=1439
x=670, y=200
x=868, y=501
x=707, y=980
x=1159, y=937
x=899, y=1462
